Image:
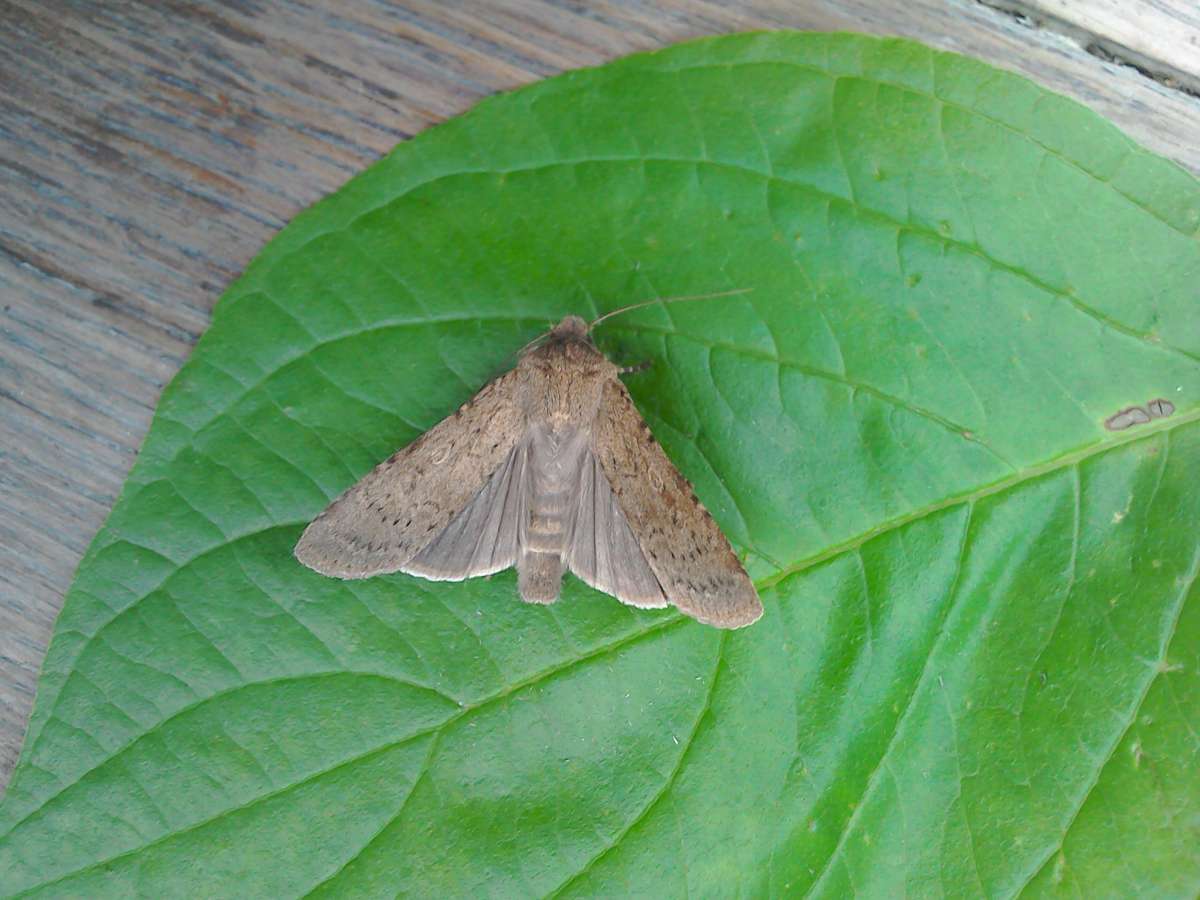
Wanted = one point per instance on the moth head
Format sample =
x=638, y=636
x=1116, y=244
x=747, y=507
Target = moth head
x=572, y=327
x=571, y=331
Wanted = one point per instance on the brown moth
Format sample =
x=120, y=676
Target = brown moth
x=548, y=468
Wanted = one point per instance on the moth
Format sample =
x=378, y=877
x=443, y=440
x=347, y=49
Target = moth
x=549, y=468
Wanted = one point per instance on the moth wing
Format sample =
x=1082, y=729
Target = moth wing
x=603, y=551
x=681, y=544
x=386, y=519
x=483, y=538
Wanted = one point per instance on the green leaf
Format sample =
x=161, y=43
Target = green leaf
x=978, y=669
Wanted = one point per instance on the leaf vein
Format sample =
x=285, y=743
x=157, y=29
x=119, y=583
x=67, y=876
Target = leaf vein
x=656, y=628
x=667, y=784
x=909, y=703
x=1154, y=670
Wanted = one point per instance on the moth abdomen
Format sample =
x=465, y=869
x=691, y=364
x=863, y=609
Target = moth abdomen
x=549, y=537
x=539, y=576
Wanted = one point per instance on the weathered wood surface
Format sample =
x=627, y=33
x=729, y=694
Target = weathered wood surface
x=148, y=150
x=1162, y=38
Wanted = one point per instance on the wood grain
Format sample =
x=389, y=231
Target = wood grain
x=1162, y=38
x=148, y=150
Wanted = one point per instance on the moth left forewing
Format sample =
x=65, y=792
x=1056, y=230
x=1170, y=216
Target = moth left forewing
x=679, y=541
x=388, y=517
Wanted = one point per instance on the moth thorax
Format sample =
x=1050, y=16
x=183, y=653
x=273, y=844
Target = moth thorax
x=561, y=402
x=561, y=408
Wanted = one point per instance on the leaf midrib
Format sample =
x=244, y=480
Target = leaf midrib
x=466, y=710
x=1018, y=478
x=763, y=585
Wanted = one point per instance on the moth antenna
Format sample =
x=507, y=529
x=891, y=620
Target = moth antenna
x=537, y=340
x=652, y=300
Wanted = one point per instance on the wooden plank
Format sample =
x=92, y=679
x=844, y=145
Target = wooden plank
x=147, y=150
x=1160, y=36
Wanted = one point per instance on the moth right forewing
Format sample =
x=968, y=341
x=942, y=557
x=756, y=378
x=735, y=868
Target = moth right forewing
x=384, y=520
x=690, y=557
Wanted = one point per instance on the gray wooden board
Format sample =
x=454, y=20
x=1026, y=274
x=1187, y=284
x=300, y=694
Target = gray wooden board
x=148, y=150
